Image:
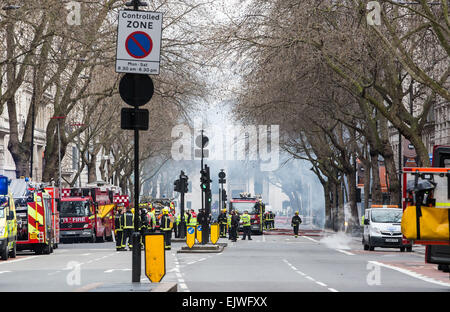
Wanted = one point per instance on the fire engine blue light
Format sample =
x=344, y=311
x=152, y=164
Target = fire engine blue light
x=3, y=185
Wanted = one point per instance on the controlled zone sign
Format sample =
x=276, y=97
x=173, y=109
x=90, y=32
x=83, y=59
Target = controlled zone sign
x=199, y=233
x=214, y=233
x=138, y=42
x=190, y=236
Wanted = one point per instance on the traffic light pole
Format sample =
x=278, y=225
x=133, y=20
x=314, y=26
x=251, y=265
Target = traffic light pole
x=183, y=182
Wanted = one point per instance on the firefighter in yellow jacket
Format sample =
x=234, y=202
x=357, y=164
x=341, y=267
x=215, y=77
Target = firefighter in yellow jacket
x=166, y=228
x=128, y=226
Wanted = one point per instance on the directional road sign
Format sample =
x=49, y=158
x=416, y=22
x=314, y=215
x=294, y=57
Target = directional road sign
x=138, y=42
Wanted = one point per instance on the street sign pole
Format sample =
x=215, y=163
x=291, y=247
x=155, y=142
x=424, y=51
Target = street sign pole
x=137, y=55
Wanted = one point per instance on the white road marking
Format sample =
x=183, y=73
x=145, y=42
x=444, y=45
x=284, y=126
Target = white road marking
x=112, y=270
x=311, y=239
x=345, y=252
x=412, y=274
x=1, y=272
x=17, y=260
x=308, y=277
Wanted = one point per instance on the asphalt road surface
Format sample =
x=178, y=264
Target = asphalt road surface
x=268, y=263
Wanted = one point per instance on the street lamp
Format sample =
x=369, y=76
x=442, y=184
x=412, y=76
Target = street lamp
x=59, y=149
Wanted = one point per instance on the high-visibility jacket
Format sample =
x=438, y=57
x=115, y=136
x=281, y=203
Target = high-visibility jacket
x=128, y=218
x=118, y=222
x=192, y=221
x=245, y=219
x=222, y=218
x=151, y=218
x=165, y=223
x=229, y=220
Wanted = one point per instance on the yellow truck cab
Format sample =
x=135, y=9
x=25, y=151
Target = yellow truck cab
x=8, y=227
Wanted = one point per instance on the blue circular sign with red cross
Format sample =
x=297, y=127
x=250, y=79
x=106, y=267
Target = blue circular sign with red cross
x=139, y=44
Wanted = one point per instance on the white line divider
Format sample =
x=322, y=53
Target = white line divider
x=309, y=277
x=412, y=274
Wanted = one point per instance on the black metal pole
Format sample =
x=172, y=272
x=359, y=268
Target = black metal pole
x=136, y=266
x=32, y=126
x=201, y=167
x=182, y=228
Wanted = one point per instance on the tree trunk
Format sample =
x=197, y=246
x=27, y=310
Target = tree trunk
x=377, y=195
x=92, y=170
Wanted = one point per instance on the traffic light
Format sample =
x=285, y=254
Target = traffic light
x=204, y=179
x=224, y=195
x=185, y=184
x=177, y=186
x=208, y=196
x=181, y=185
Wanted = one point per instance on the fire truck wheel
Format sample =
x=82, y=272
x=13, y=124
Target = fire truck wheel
x=46, y=249
x=92, y=238
x=38, y=250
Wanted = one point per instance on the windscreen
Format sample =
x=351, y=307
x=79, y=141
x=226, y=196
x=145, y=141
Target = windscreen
x=242, y=206
x=387, y=215
x=74, y=208
x=3, y=204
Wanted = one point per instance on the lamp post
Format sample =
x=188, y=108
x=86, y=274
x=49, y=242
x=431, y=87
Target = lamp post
x=59, y=148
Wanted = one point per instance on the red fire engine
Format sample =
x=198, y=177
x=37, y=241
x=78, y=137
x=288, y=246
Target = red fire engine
x=53, y=193
x=35, y=222
x=255, y=208
x=87, y=214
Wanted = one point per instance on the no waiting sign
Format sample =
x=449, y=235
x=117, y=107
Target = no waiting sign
x=138, y=42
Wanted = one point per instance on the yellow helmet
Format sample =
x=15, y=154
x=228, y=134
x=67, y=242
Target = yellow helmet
x=224, y=210
x=296, y=212
x=165, y=211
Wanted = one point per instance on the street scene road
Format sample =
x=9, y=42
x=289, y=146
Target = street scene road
x=225, y=147
x=267, y=263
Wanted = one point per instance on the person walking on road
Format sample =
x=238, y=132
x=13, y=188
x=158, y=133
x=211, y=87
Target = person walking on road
x=246, y=226
x=234, y=225
x=295, y=222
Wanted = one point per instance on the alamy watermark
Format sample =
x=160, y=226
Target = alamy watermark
x=374, y=276
x=73, y=278
x=254, y=143
x=374, y=14
x=74, y=15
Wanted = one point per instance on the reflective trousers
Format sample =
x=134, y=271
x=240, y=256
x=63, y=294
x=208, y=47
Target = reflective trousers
x=296, y=230
x=247, y=232
x=167, y=238
x=119, y=235
x=223, y=229
x=127, y=234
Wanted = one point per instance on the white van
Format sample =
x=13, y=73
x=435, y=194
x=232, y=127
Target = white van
x=382, y=228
